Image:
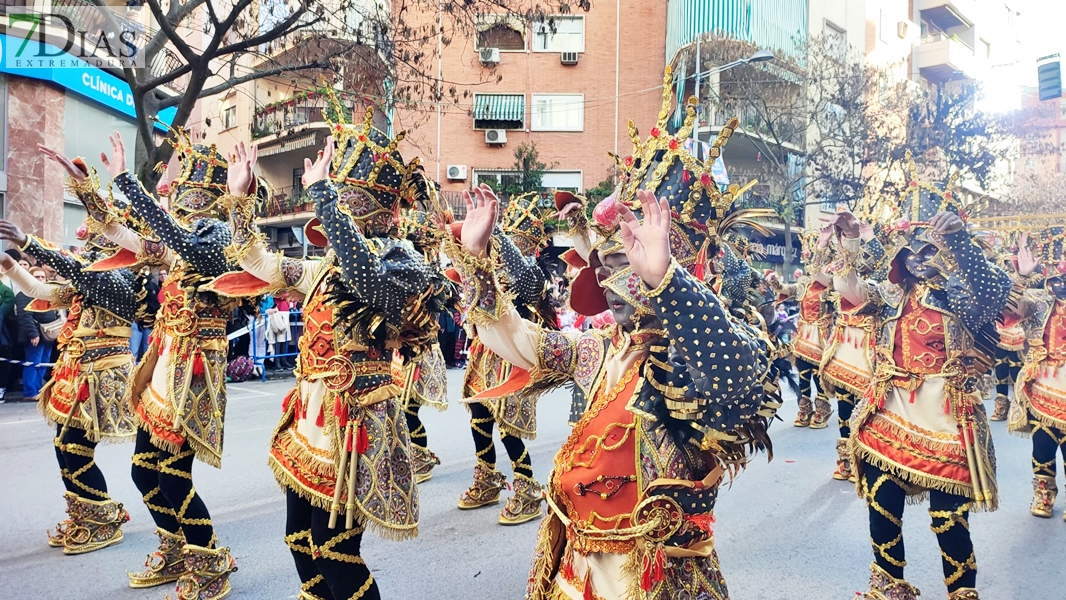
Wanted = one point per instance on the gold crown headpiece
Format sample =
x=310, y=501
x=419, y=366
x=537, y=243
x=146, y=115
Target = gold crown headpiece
x=525, y=221
x=365, y=156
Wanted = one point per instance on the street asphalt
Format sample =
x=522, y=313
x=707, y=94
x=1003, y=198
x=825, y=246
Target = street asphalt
x=785, y=530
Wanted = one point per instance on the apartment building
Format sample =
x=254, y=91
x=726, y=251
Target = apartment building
x=566, y=86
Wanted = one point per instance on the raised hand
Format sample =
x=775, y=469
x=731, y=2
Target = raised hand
x=847, y=224
x=77, y=171
x=1027, y=263
x=946, y=222
x=866, y=231
x=240, y=176
x=10, y=231
x=7, y=262
x=647, y=244
x=116, y=164
x=825, y=235
x=319, y=170
x=482, y=209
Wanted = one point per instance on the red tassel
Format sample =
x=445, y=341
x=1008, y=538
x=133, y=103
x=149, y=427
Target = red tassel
x=700, y=268
x=658, y=572
x=340, y=410
x=83, y=391
x=705, y=522
x=198, y=365
x=645, y=575
x=362, y=441
x=159, y=348
x=912, y=396
x=588, y=595
x=285, y=403
x=320, y=421
x=685, y=176
x=568, y=567
x=947, y=404
x=348, y=439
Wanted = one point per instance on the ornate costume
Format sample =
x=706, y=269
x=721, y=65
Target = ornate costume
x=342, y=446
x=86, y=395
x=179, y=386
x=921, y=429
x=1039, y=410
x=519, y=239
x=669, y=409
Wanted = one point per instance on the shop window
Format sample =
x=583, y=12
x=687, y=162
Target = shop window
x=559, y=34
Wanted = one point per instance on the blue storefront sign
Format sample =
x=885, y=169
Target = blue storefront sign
x=85, y=80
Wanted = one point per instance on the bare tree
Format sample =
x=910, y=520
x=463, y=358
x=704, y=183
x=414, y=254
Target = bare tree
x=203, y=48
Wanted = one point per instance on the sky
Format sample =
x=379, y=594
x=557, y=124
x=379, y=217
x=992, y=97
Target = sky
x=1039, y=31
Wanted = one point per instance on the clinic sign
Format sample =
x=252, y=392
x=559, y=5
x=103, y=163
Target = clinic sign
x=86, y=81
x=74, y=37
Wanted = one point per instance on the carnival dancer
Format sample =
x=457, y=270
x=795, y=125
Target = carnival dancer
x=848, y=363
x=1040, y=393
x=921, y=427
x=676, y=388
x=520, y=238
x=179, y=386
x=342, y=449
x=1010, y=349
x=815, y=320
x=86, y=395
x=425, y=376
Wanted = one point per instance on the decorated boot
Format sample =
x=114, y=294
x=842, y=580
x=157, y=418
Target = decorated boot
x=95, y=525
x=843, y=472
x=488, y=482
x=524, y=505
x=1044, y=492
x=165, y=565
x=999, y=413
x=886, y=587
x=803, y=417
x=822, y=412
x=422, y=462
x=56, y=539
x=206, y=575
x=964, y=594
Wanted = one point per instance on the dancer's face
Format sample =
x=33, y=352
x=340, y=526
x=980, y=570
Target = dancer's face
x=622, y=311
x=1058, y=287
x=919, y=264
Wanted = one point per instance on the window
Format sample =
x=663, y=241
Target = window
x=500, y=31
x=829, y=205
x=836, y=41
x=499, y=111
x=229, y=116
x=558, y=112
x=559, y=34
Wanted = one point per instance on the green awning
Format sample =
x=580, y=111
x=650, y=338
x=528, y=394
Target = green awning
x=500, y=107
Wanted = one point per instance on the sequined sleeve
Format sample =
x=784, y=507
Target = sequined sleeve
x=729, y=356
x=871, y=255
x=977, y=290
x=526, y=278
x=383, y=273
x=112, y=290
x=203, y=247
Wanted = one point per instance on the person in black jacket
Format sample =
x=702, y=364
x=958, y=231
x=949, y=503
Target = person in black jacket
x=37, y=349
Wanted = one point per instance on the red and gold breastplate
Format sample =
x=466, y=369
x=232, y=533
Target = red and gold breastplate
x=596, y=470
x=182, y=315
x=920, y=344
x=811, y=304
x=1055, y=334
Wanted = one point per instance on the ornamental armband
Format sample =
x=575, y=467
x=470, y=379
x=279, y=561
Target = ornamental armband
x=101, y=211
x=241, y=211
x=482, y=294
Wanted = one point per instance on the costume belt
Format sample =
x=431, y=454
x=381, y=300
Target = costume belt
x=78, y=347
x=338, y=372
x=185, y=322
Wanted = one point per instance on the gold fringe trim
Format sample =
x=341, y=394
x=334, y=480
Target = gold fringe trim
x=920, y=481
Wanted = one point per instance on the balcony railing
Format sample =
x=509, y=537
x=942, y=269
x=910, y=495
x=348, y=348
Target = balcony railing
x=286, y=201
x=939, y=36
x=311, y=107
x=786, y=131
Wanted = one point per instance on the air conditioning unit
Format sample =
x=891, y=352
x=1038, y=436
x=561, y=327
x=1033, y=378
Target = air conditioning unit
x=490, y=57
x=495, y=136
x=457, y=172
x=569, y=58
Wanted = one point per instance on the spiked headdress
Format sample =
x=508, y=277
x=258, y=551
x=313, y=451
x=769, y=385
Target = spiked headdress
x=525, y=222
x=702, y=213
x=201, y=179
x=370, y=174
x=1046, y=238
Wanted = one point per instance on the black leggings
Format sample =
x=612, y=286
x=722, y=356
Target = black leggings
x=415, y=426
x=807, y=371
x=327, y=560
x=1007, y=370
x=76, y=455
x=886, y=498
x=845, y=406
x=165, y=482
x=1046, y=442
x=481, y=426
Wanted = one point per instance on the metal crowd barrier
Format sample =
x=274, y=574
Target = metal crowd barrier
x=260, y=349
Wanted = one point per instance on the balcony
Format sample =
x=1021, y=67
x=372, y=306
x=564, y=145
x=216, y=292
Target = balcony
x=946, y=14
x=941, y=58
x=304, y=113
x=286, y=206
